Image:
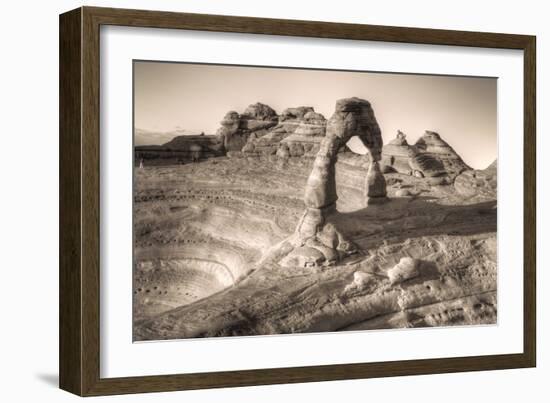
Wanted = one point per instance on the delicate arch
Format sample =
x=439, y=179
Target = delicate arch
x=352, y=117
x=317, y=241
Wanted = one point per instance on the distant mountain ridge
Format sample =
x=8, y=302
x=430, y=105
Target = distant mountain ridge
x=143, y=137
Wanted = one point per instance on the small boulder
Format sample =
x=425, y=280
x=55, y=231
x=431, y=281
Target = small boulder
x=360, y=281
x=387, y=169
x=295, y=113
x=394, y=182
x=296, y=149
x=248, y=148
x=283, y=151
x=403, y=193
x=329, y=236
x=304, y=256
x=438, y=181
x=259, y=111
x=406, y=269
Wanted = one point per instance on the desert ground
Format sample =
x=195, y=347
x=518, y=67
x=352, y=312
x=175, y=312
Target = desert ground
x=219, y=248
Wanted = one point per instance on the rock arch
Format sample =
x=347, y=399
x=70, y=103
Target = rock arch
x=352, y=117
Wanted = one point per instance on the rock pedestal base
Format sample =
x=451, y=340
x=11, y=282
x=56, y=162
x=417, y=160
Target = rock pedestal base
x=316, y=242
x=374, y=201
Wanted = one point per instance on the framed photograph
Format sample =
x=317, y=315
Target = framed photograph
x=249, y=201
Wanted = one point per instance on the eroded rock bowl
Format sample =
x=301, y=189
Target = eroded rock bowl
x=164, y=284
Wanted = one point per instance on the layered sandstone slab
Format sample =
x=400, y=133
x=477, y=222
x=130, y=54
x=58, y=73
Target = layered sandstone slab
x=436, y=157
x=298, y=132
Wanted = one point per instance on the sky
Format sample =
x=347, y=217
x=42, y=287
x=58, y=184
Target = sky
x=193, y=98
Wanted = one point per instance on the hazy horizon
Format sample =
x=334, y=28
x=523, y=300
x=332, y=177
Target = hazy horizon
x=178, y=98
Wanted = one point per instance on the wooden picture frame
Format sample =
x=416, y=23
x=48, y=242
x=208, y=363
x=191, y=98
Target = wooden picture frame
x=79, y=348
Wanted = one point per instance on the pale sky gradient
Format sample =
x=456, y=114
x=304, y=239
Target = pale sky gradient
x=176, y=96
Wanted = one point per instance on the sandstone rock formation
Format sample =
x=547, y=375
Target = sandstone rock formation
x=307, y=135
x=406, y=269
x=435, y=157
x=352, y=117
x=396, y=154
x=257, y=115
x=298, y=132
x=403, y=193
x=375, y=188
x=295, y=113
x=299, y=146
x=254, y=121
x=478, y=183
x=312, y=124
x=360, y=281
x=429, y=157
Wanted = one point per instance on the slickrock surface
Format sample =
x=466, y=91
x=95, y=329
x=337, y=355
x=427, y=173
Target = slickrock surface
x=258, y=205
x=214, y=251
x=478, y=183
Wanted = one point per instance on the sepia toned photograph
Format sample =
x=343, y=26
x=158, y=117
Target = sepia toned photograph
x=273, y=200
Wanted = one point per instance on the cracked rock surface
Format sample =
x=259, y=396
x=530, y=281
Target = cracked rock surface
x=226, y=215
